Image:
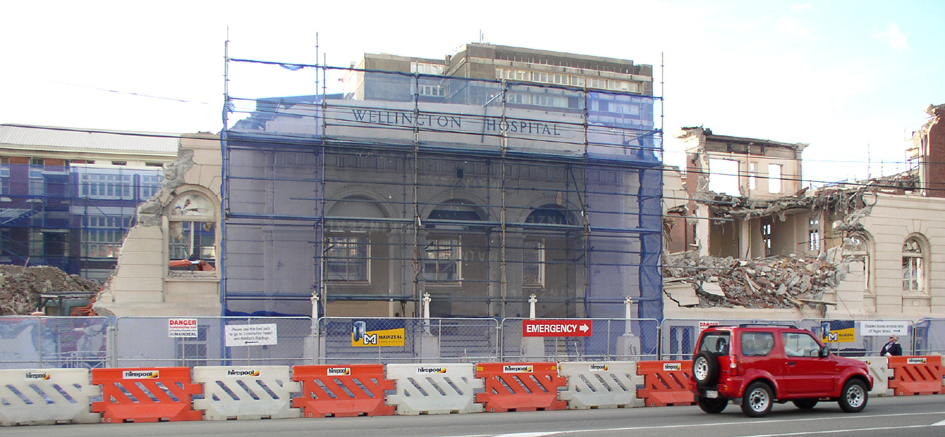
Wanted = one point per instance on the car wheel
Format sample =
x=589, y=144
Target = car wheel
x=712, y=406
x=805, y=404
x=757, y=400
x=705, y=368
x=854, y=396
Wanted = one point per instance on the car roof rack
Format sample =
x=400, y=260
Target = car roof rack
x=748, y=325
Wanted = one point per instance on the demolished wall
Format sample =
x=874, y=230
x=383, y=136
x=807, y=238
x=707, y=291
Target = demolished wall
x=775, y=282
x=141, y=284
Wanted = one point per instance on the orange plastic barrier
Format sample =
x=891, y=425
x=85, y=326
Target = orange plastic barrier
x=916, y=375
x=342, y=391
x=520, y=387
x=146, y=394
x=665, y=383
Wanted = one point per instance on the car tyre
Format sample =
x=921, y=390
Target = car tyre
x=712, y=406
x=757, y=400
x=705, y=368
x=854, y=396
x=806, y=404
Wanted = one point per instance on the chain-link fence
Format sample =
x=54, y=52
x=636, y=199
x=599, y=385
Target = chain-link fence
x=604, y=339
x=212, y=341
x=929, y=337
x=678, y=336
x=860, y=338
x=61, y=342
x=51, y=342
x=406, y=340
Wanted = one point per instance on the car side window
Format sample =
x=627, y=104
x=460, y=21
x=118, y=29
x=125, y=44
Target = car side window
x=757, y=344
x=798, y=344
x=715, y=342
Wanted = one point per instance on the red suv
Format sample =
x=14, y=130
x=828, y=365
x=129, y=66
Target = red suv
x=757, y=365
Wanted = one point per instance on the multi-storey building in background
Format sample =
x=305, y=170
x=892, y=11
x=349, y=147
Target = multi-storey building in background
x=69, y=195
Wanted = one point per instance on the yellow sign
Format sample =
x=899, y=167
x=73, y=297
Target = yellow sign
x=847, y=335
x=386, y=337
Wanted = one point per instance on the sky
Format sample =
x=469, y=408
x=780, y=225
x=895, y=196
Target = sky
x=850, y=78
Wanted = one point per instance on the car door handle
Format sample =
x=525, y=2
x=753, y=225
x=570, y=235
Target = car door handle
x=790, y=363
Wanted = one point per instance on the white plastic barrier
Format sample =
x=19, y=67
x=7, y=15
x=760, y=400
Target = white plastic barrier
x=246, y=392
x=434, y=388
x=47, y=396
x=607, y=384
x=879, y=368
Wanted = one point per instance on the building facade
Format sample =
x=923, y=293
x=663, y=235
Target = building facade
x=369, y=202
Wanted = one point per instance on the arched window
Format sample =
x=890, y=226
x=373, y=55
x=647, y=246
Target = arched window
x=192, y=232
x=443, y=252
x=347, y=248
x=913, y=266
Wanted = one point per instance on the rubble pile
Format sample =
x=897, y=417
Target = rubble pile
x=20, y=287
x=775, y=282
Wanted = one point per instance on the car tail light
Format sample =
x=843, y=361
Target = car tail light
x=734, y=366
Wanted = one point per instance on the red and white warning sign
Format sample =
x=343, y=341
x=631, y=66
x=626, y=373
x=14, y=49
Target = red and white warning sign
x=704, y=324
x=182, y=328
x=557, y=328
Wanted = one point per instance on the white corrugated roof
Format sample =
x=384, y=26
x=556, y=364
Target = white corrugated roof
x=66, y=138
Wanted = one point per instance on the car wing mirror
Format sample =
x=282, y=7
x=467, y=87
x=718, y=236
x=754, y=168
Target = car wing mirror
x=824, y=352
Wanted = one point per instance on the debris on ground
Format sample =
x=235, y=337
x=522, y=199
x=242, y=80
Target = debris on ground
x=20, y=287
x=773, y=282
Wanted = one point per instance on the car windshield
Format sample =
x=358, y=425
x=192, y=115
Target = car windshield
x=715, y=342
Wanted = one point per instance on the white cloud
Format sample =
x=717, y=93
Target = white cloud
x=793, y=27
x=893, y=38
x=800, y=7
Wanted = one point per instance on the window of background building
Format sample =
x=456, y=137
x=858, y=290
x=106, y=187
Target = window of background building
x=106, y=186
x=150, y=185
x=425, y=68
x=913, y=266
x=774, y=178
x=533, y=268
x=37, y=186
x=102, y=235
x=347, y=259
x=4, y=179
x=442, y=260
x=5, y=243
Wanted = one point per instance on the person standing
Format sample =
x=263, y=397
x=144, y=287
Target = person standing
x=892, y=348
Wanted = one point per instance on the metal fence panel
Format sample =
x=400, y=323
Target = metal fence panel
x=53, y=342
x=678, y=336
x=929, y=337
x=610, y=339
x=406, y=340
x=848, y=338
x=213, y=341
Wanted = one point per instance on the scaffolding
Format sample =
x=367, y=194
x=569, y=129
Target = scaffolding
x=480, y=194
x=70, y=217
